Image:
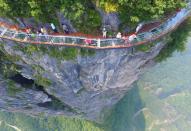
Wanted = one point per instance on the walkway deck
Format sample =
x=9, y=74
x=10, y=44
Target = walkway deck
x=12, y=33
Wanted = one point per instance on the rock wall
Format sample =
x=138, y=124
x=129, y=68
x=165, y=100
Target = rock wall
x=88, y=86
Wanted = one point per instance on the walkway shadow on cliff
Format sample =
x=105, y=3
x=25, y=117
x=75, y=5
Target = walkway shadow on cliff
x=127, y=114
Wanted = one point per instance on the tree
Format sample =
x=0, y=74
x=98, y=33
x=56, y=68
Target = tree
x=14, y=8
x=81, y=12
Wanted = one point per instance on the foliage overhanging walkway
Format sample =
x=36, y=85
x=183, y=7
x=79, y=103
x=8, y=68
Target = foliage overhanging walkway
x=6, y=32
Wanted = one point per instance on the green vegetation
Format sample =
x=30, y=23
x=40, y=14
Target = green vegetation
x=7, y=68
x=12, y=89
x=132, y=11
x=83, y=13
x=38, y=76
x=29, y=49
x=145, y=47
x=42, y=81
x=42, y=123
x=86, y=52
x=176, y=40
x=46, y=11
x=60, y=53
x=63, y=53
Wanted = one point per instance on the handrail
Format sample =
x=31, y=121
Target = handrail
x=6, y=32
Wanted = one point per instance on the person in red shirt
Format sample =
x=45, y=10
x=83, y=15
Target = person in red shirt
x=88, y=41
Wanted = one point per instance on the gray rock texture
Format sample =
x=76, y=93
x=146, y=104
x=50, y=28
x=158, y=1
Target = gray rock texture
x=109, y=20
x=89, y=86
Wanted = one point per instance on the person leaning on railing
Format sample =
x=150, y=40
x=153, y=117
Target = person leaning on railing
x=126, y=39
x=129, y=39
x=88, y=41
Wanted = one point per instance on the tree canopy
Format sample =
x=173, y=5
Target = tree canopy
x=81, y=12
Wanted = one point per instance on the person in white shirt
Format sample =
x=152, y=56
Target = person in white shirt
x=104, y=31
x=53, y=28
x=132, y=37
x=119, y=36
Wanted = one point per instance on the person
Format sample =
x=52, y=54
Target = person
x=65, y=29
x=53, y=28
x=39, y=35
x=119, y=35
x=43, y=30
x=15, y=29
x=126, y=39
x=104, y=31
x=132, y=37
x=28, y=30
x=88, y=41
x=139, y=27
x=27, y=34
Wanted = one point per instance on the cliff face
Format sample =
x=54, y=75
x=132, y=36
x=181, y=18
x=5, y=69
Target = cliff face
x=87, y=86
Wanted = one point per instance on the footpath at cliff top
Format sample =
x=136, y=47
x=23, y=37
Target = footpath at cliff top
x=6, y=32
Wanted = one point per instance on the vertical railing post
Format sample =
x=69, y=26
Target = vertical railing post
x=14, y=35
x=113, y=43
x=98, y=43
x=3, y=32
x=52, y=40
x=133, y=50
x=25, y=38
x=64, y=40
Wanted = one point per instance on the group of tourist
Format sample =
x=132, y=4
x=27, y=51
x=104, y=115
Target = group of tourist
x=128, y=38
x=44, y=31
x=40, y=33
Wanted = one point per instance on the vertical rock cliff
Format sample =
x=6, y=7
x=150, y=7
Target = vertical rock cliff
x=86, y=86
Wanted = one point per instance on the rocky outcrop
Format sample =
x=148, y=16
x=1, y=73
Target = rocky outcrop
x=109, y=20
x=88, y=86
